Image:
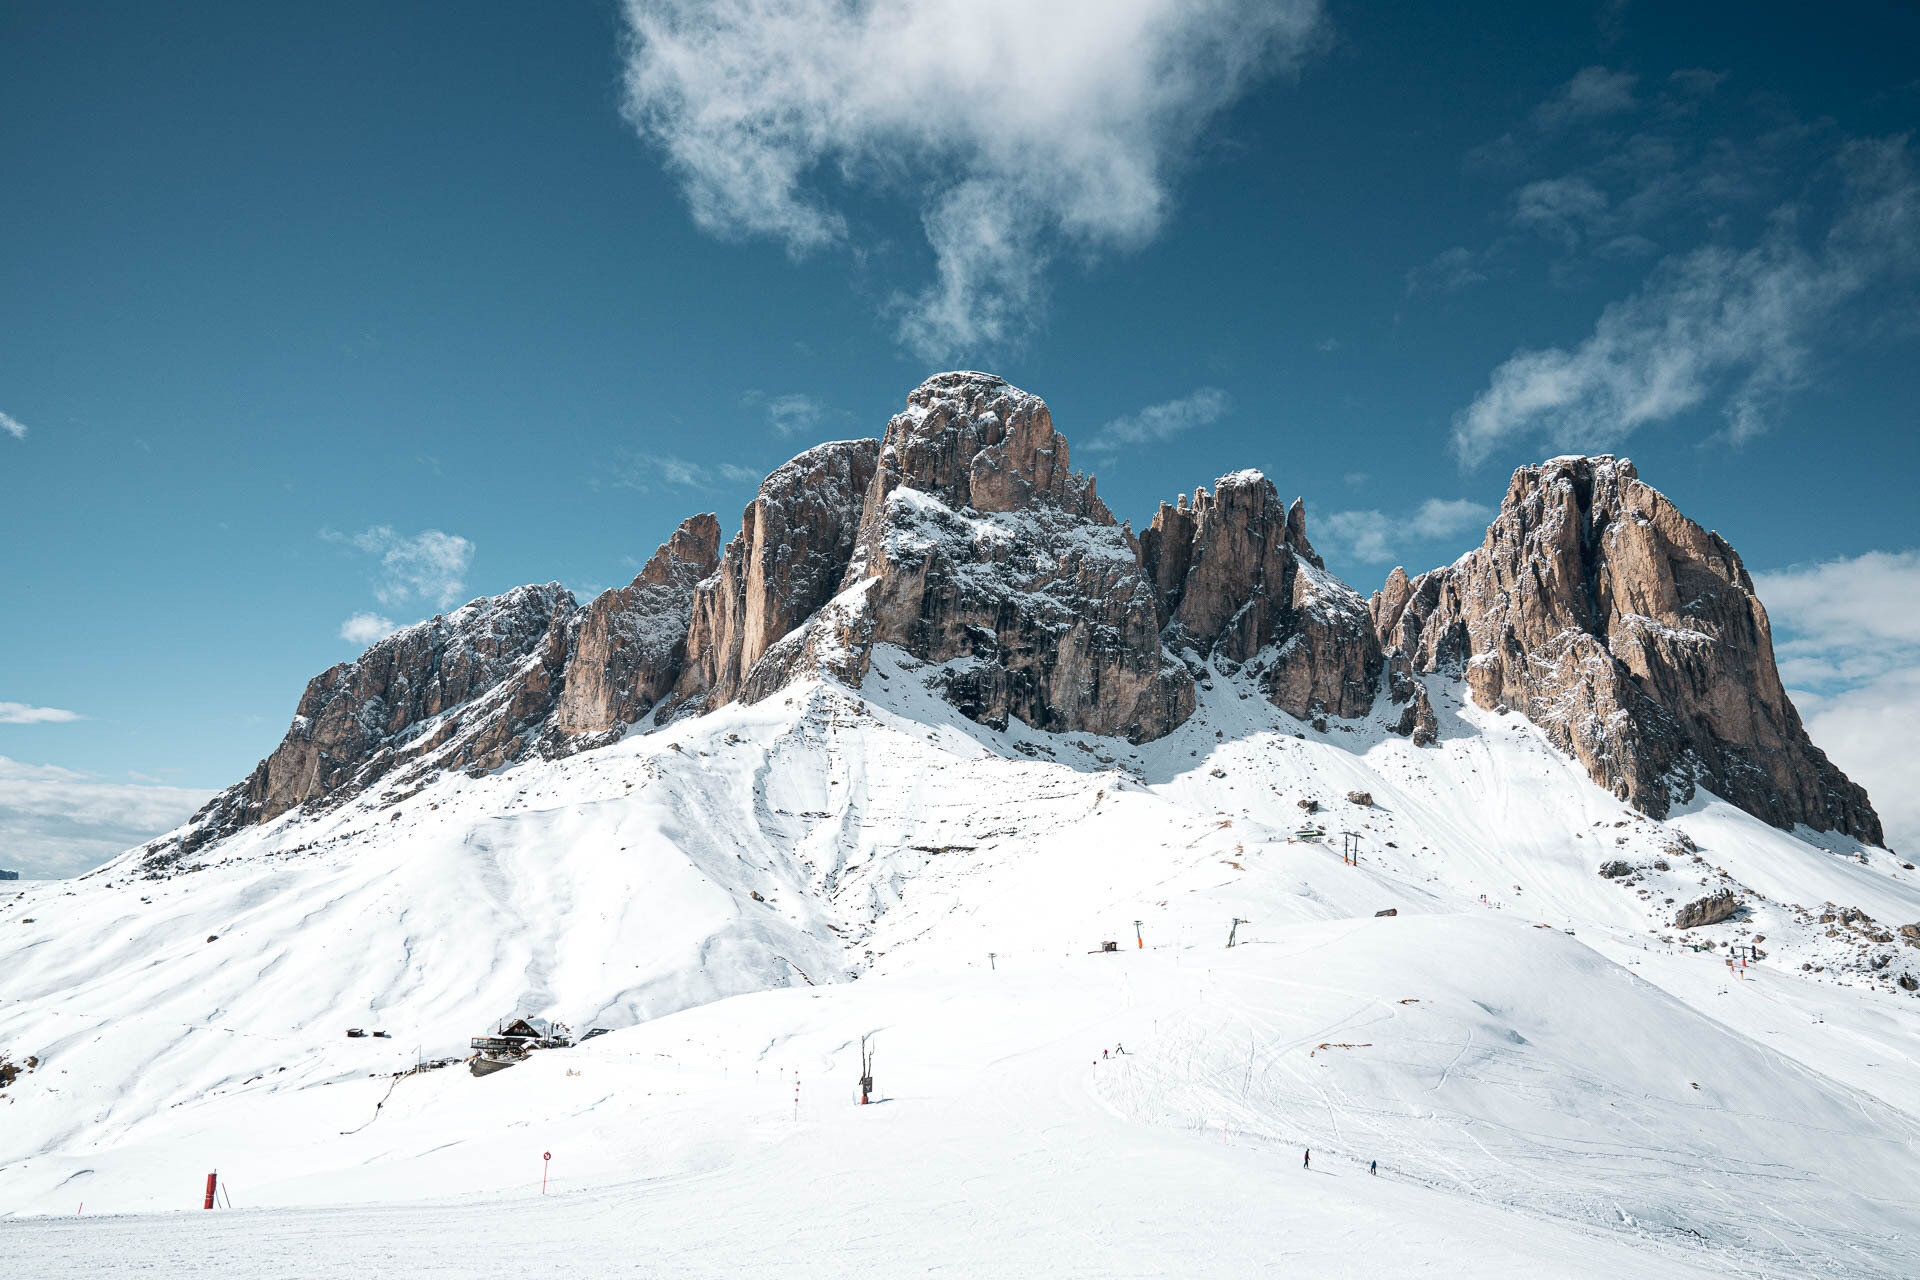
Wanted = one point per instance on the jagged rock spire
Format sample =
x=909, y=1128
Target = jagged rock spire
x=1634, y=637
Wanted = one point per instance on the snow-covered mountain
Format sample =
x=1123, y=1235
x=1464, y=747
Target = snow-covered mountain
x=934, y=721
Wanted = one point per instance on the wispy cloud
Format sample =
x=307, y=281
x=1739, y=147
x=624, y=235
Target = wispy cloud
x=1592, y=93
x=791, y=414
x=1712, y=321
x=1375, y=537
x=647, y=472
x=1012, y=128
x=13, y=426
x=57, y=822
x=365, y=629
x=1451, y=270
x=1159, y=422
x=21, y=713
x=1847, y=636
x=430, y=567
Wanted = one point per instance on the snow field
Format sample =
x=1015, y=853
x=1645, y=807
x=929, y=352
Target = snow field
x=709, y=888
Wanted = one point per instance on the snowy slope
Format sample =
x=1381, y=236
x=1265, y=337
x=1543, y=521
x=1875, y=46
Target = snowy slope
x=1529, y=1092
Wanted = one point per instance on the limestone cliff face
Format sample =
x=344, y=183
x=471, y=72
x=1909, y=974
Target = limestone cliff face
x=787, y=560
x=465, y=690
x=965, y=538
x=1632, y=635
x=980, y=546
x=1235, y=576
x=630, y=644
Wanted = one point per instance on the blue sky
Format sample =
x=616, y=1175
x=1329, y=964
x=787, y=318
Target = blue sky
x=317, y=322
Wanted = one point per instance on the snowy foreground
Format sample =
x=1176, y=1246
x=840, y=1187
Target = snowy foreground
x=1550, y=1089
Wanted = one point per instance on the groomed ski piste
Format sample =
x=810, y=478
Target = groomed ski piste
x=1551, y=1079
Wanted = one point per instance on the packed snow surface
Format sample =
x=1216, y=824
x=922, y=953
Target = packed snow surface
x=1550, y=1079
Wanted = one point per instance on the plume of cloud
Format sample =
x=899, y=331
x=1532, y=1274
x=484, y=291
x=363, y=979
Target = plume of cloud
x=366, y=629
x=646, y=472
x=21, y=713
x=13, y=426
x=1374, y=537
x=1009, y=126
x=430, y=567
x=57, y=822
x=1710, y=320
x=1847, y=636
x=789, y=415
x=1159, y=422
x=1592, y=93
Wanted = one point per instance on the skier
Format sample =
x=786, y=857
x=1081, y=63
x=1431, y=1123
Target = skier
x=1374, y=1168
x=1306, y=1160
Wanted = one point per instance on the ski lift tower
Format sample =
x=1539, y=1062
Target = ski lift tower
x=1237, y=922
x=1350, y=848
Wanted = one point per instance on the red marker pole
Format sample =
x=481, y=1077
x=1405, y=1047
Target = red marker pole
x=212, y=1180
x=545, y=1158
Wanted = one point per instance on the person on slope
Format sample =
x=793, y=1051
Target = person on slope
x=1306, y=1160
x=1374, y=1168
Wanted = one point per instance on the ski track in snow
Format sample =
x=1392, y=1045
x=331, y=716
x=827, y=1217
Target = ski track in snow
x=1601, y=1104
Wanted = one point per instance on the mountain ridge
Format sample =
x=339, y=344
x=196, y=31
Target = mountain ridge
x=963, y=535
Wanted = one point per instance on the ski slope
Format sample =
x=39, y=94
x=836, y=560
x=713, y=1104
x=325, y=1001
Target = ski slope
x=1550, y=1082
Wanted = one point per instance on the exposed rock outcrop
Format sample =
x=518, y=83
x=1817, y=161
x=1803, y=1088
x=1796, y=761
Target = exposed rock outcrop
x=787, y=560
x=1234, y=575
x=979, y=546
x=964, y=537
x=631, y=642
x=1708, y=910
x=463, y=690
x=1632, y=635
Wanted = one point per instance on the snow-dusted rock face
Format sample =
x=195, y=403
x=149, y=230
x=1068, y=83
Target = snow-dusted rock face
x=984, y=549
x=1235, y=575
x=965, y=539
x=631, y=642
x=787, y=560
x=1632, y=635
x=462, y=690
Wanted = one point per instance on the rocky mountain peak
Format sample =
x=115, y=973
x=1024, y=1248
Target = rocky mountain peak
x=630, y=645
x=1631, y=634
x=461, y=690
x=974, y=440
x=1234, y=575
x=964, y=538
x=788, y=560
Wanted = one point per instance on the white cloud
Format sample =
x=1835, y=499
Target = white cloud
x=1561, y=209
x=1847, y=636
x=430, y=567
x=645, y=472
x=1374, y=537
x=365, y=629
x=1161, y=421
x=21, y=713
x=1452, y=269
x=789, y=415
x=56, y=822
x=1010, y=126
x=1709, y=322
x=13, y=426
x=1592, y=93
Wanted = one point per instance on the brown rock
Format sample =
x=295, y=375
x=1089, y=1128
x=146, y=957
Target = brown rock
x=786, y=562
x=1234, y=575
x=1709, y=910
x=481, y=679
x=631, y=641
x=1631, y=635
x=979, y=546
